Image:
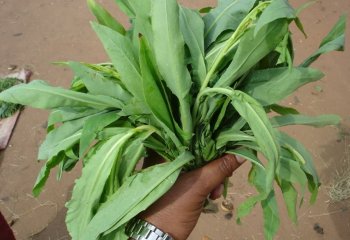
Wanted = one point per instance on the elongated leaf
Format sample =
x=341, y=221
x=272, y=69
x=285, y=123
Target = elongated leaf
x=291, y=171
x=97, y=84
x=257, y=177
x=133, y=153
x=135, y=107
x=252, y=49
x=61, y=115
x=308, y=167
x=283, y=110
x=121, y=51
x=278, y=9
x=89, y=186
x=104, y=17
x=247, y=154
x=226, y=16
x=125, y=6
x=192, y=28
x=255, y=115
x=94, y=125
x=170, y=52
x=64, y=135
x=45, y=172
x=142, y=21
x=214, y=51
x=334, y=41
x=271, y=216
x=290, y=196
x=39, y=94
x=144, y=189
x=152, y=88
x=109, y=132
x=263, y=132
x=232, y=136
x=270, y=86
x=296, y=119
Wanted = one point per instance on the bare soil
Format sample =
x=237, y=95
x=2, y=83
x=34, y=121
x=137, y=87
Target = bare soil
x=35, y=33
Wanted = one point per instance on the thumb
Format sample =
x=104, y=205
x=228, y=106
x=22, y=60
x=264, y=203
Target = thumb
x=215, y=172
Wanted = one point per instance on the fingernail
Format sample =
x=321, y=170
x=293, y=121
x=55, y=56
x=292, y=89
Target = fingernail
x=240, y=159
x=217, y=192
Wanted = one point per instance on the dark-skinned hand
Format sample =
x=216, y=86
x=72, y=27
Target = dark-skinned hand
x=177, y=212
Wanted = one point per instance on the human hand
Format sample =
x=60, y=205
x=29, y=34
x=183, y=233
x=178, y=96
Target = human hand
x=177, y=212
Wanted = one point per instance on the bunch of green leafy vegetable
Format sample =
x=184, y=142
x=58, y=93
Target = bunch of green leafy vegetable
x=8, y=109
x=190, y=85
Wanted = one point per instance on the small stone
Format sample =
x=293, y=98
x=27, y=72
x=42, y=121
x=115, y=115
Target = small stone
x=228, y=216
x=318, y=229
x=12, y=67
x=227, y=205
x=17, y=34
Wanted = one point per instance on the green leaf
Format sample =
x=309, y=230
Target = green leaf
x=255, y=115
x=216, y=49
x=65, y=114
x=94, y=125
x=104, y=17
x=232, y=135
x=334, y=41
x=45, y=172
x=133, y=153
x=88, y=188
x=278, y=9
x=192, y=28
x=154, y=93
x=296, y=119
x=271, y=216
x=271, y=85
x=39, y=94
x=252, y=49
x=122, y=54
x=125, y=6
x=109, y=132
x=247, y=154
x=61, y=138
x=226, y=16
x=308, y=167
x=291, y=171
x=283, y=110
x=144, y=189
x=205, y=9
x=142, y=21
x=134, y=108
x=290, y=196
x=97, y=84
x=170, y=56
x=257, y=177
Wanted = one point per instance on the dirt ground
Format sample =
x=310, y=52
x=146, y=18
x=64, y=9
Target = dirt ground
x=35, y=33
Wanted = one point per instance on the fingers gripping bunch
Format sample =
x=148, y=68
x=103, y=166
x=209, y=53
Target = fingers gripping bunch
x=190, y=85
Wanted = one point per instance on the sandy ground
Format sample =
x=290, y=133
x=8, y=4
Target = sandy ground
x=35, y=33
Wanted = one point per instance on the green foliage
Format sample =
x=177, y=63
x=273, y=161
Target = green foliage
x=190, y=87
x=7, y=109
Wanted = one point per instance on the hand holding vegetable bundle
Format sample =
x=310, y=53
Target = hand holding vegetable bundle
x=190, y=87
x=178, y=210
